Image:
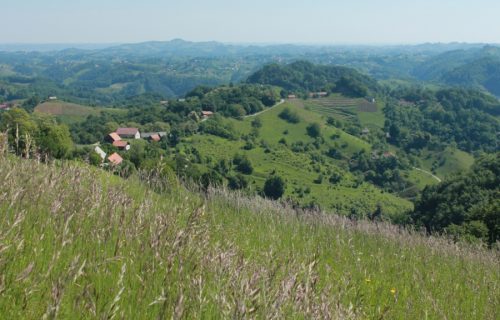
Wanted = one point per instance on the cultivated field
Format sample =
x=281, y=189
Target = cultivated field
x=340, y=106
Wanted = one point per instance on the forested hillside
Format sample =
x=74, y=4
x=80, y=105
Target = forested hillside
x=304, y=77
x=466, y=205
x=466, y=118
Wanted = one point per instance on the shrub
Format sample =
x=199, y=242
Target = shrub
x=314, y=130
x=237, y=182
x=289, y=115
x=274, y=187
x=243, y=164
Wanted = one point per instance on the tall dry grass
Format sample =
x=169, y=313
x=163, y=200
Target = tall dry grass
x=76, y=242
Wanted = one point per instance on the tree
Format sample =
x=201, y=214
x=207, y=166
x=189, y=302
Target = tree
x=314, y=130
x=274, y=187
x=55, y=140
x=21, y=129
x=137, y=152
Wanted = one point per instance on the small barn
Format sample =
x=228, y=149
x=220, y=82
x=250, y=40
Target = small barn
x=115, y=159
x=112, y=137
x=122, y=145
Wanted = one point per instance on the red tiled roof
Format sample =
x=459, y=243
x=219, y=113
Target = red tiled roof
x=115, y=159
x=120, y=144
x=155, y=137
x=115, y=136
x=127, y=131
x=207, y=113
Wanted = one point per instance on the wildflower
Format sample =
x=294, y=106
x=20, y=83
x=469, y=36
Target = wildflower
x=393, y=290
x=368, y=280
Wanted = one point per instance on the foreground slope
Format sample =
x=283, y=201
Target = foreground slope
x=79, y=243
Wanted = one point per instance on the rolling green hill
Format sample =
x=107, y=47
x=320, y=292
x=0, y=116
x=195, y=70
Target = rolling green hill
x=305, y=77
x=81, y=243
x=287, y=150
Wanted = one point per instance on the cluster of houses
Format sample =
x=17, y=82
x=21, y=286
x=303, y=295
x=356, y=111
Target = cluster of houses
x=117, y=139
x=120, y=139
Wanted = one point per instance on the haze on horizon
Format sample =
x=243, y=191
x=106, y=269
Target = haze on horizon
x=257, y=21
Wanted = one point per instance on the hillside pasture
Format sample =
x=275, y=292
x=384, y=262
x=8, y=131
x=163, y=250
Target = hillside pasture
x=299, y=170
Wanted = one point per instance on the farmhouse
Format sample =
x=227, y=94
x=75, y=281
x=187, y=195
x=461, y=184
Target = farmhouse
x=122, y=145
x=365, y=131
x=52, y=98
x=4, y=107
x=128, y=133
x=100, y=152
x=292, y=96
x=112, y=137
x=115, y=159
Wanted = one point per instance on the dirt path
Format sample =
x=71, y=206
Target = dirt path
x=265, y=110
x=429, y=173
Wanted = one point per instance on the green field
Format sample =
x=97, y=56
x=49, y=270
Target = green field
x=70, y=112
x=78, y=243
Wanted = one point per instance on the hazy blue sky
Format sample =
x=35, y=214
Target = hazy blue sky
x=263, y=21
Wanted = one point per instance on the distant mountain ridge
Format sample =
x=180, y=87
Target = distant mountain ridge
x=104, y=75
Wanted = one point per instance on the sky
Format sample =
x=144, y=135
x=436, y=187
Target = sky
x=254, y=21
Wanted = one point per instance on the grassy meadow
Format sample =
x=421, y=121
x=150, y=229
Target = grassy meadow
x=77, y=242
